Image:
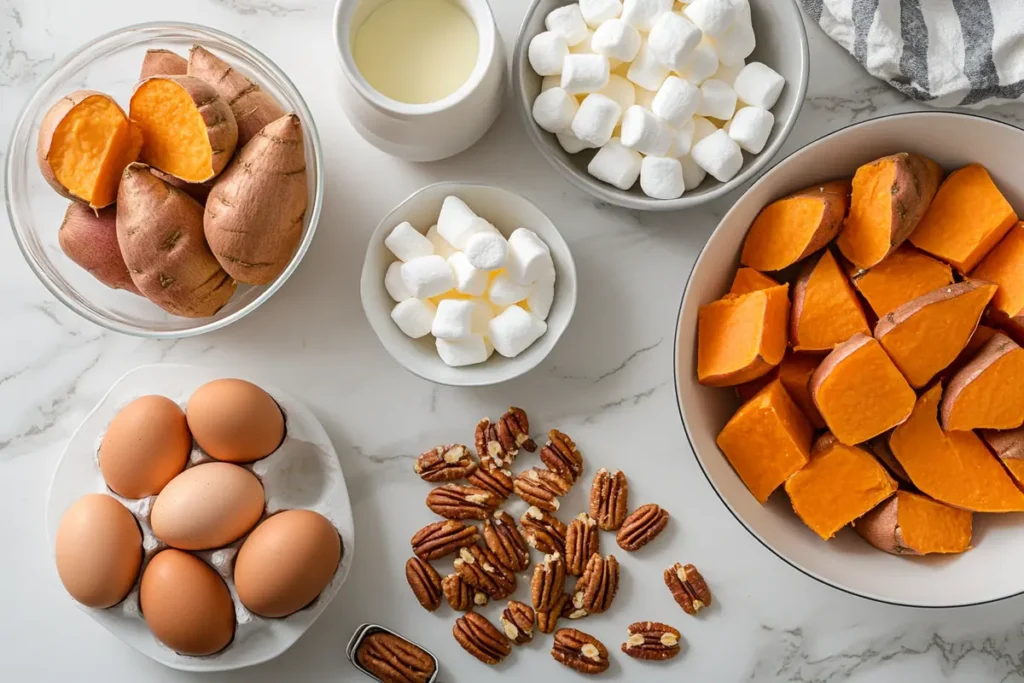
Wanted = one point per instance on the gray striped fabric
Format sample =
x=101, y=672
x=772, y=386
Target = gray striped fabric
x=942, y=52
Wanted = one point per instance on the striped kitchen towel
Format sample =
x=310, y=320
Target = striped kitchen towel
x=942, y=52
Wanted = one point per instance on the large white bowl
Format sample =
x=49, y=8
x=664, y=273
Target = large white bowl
x=991, y=570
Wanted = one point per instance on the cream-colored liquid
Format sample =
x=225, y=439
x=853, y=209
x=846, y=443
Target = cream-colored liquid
x=416, y=51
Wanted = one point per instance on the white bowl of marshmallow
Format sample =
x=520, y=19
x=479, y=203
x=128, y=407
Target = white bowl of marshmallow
x=468, y=285
x=660, y=104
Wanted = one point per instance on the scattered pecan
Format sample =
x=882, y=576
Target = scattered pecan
x=609, y=499
x=652, y=640
x=425, y=583
x=543, y=531
x=547, y=620
x=436, y=540
x=503, y=539
x=581, y=541
x=541, y=488
x=561, y=456
x=548, y=582
x=580, y=651
x=517, y=622
x=480, y=638
x=492, y=454
x=514, y=431
x=688, y=587
x=497, y=481
x=394, y=659
x=480, y=568
x=460, y=595
x=445, y=463
x=596, y=588
x=454, y=501
x=641, y=527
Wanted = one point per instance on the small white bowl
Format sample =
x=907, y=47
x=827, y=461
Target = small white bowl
x=507, y=211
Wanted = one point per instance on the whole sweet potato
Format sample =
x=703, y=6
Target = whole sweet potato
x=90, y=240
x=162, y=63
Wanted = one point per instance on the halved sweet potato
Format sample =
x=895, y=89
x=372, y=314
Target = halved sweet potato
x=795, y=371
x=796, y=226
x=903, y=275
x=952, y=467
x=890, y=195
x=859, y=392
x=740, y=338
x=1009, y=448
x=926, y=334
x=967, y=218
x=749, y=280
x=988, y=392
x=1004, y=265
x=839, y=484
x=826, y=311
x=913, y=524
x=767, y=440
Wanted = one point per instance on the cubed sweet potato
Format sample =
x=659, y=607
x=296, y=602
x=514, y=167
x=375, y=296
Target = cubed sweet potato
x=1009, y=448
x=988, y=392
x=913, y=524
x=826, y=311
x=1004, y=266
x=795, y=371
x=903, y=275
x=750, y=280
x=740, y=338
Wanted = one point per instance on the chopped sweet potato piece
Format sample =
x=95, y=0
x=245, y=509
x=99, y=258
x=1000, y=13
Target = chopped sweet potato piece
x=749, y=280
x=988, y=392
x=913, y=524
x=795, y=371
x=747, y=390
x=838, y=485
x=926, y=334
x=826, y=311
x=740, y=338
x=967, y=218
x=767, y=440
x=903, y=275
x=859, y=392
x=890, y=195
x=1004, y=265
x=796, y=226
x=952, y=467
x=879, y=445
x=1009, y=447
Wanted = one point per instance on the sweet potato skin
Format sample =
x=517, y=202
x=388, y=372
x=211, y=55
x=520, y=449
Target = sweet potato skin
x=994, y=349
x=197, y=191
x=881, y=528
x=162, y=63
x=89, y=238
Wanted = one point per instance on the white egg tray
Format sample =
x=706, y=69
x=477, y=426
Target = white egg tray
x=303, y=472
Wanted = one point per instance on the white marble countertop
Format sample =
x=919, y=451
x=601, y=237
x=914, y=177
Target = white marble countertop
x=608, y=384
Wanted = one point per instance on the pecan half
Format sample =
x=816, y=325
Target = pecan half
x=481, y=638
x=641, y=527
x=454, y=501
x=688, y=587
x=489, y=449
x=460, y=595
x=391, y=658
x=609, y=497
x=504, y=540
x=436, y=540
x=580, y=651
x=596, y=589
x=548, y=582
x=541, y=488
x=543, y=531
x=517, y=622
x=581, y=541
x=547, y=620
x=445, y=463
x=480, y=568
x=425, y=583
x=514, y=431
x=497, y=481
x=561, y=455
x=652, y=641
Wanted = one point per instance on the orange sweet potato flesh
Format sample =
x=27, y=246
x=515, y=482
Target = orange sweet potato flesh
x=839, y=484
x=926, y=334
x=955, y=468
x=796, y=226
x=890, y=195
x=859, y=392
x=767, y=440
x=903, y=275
x=1009, y=448
x=795, y=371
x=966, y=220
x=988, y=392
x=913, y=524
x=1004, y=265
x=826, y=311
x=750, y=280
x=740, y=338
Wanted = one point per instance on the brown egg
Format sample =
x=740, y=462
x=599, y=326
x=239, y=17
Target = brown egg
x=99, y=550
x=186, y=604
x=207, y=506
x=145, y=446
x=286, y=561
x=235, y=420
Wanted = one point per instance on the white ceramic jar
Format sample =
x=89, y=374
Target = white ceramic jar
x=423, y=132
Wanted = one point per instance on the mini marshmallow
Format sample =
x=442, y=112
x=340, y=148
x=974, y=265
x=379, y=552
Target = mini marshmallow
x=441, y=246
x=642, y=13
x=701, y=129
x=546, y=53
x=739, y=41
x=682, y=140
x=717, y=100
x=645, y=132
x=468, y=280
x=662, y=177
x=453, y=319
x=620, y=90
x=570, y=143
x=596, y=119
x=728, y=73
x=393, y=283
x=427, y=276
x=407, y=243
x=549, y=82
x=617, y=39
x=487, y=250
x=504, y=291
x=483, y=312
x=585, y=74
x=693, y=175
x=554, y=110
x=750, y=128
x=701, y=64
x=567, y=21
x=461, y=352
x=676, y=101
x=414, y=317
x=673, y=37
x=456, y=222
x=515, y=330
x=529, y=259
x=719, y=155
x=542, y=295
x=714, y=17
x=644, y=98
x=759, y=85
x=646, y=71
x=616, y=165
x=597, y=12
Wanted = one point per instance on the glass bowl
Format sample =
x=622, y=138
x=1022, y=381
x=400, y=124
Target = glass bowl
x=110, y=64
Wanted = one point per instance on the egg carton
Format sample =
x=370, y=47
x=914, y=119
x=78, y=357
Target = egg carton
x=303, y=472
